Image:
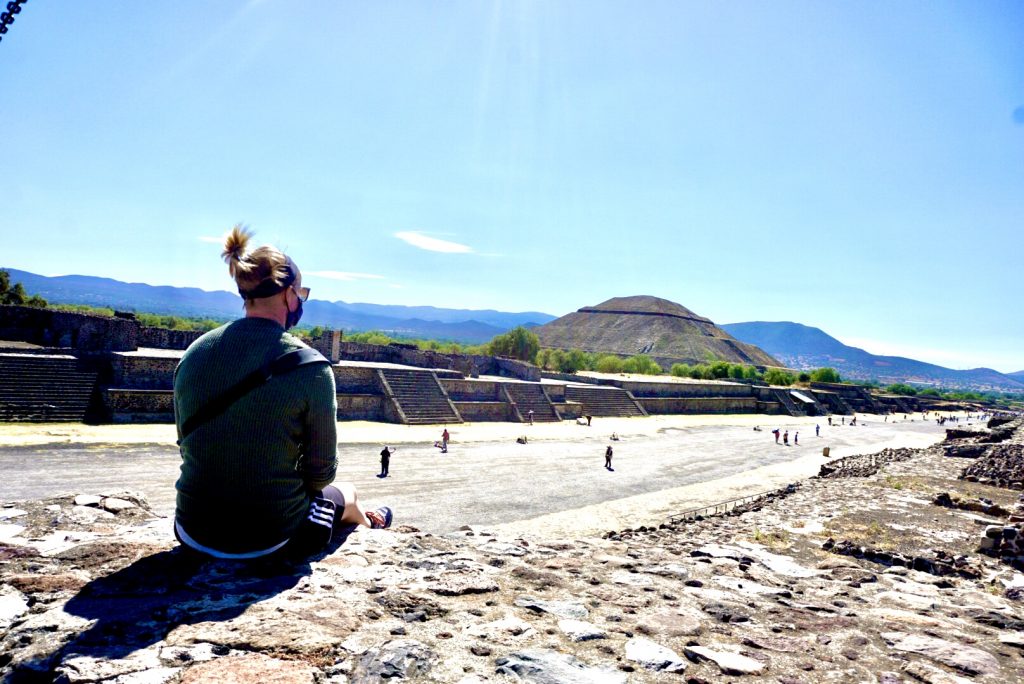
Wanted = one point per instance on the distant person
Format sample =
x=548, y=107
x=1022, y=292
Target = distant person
x=385, y=460
x=608, y=457
x=615, y=437
x=796, y=438
x=785, y=437
x=844, y=420
x=757, y=428
x=776, y=433
x=259, y=455
x=444, y=441
x=830, y=421
x=817, y=430
x=588, y=420
x=530, y=415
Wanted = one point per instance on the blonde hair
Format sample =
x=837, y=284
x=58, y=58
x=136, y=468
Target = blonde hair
x=250, y=270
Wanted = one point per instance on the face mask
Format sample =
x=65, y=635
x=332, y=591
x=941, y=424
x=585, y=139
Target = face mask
x=292, y=319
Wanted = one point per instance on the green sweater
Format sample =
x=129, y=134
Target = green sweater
x=248, y=475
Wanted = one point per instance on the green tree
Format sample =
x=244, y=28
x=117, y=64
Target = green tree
x=901, y=388
x=576, y=360
x=518, y=343
x=609, y=363
x=719, y=369
x=804, y=377
x=777, y=376
x=641, y=364
x=680, y=370
x=825, y=375
x=16, y=295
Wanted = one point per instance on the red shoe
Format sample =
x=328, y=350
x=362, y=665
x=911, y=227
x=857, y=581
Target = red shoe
x=380, y=519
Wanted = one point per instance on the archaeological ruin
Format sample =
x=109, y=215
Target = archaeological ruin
x=63, y=366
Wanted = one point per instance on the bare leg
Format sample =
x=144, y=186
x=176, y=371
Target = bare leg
x=343, y=494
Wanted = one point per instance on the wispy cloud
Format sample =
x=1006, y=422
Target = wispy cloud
x=214, y=240
x=432, y=244
x=345, y=275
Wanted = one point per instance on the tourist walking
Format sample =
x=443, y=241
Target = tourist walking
x=444, y=441
x=385, y=460
x=776, y=433
x=796, y=438
x=256, y=416
x=817, y=430
x=608, y=458
x=785, y=437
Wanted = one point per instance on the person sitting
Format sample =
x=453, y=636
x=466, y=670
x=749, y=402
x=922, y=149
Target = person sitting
x=259, y=470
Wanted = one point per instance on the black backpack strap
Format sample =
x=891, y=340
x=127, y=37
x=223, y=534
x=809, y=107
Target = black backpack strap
x=284, y=363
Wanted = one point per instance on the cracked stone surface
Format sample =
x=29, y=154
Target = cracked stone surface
x=760, y=595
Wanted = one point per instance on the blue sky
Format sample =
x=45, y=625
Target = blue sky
x=855, y=166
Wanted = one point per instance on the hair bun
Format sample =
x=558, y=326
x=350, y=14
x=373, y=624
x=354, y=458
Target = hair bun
x=235, y=243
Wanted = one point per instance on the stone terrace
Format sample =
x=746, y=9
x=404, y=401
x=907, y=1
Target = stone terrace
x=93, y=591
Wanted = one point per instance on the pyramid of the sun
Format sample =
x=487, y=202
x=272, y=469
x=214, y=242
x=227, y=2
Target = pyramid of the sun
x=667, y=332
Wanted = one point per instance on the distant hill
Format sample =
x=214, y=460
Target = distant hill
x=667, y=332
x=1016, y=375
x=803, y=347
x=460, y=325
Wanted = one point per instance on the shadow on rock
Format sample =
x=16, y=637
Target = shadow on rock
x=182, y=598
x=140, y=604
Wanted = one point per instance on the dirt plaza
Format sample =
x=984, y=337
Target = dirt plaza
x=554, y=484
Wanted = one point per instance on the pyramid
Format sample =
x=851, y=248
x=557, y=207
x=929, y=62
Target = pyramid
x=667, y=332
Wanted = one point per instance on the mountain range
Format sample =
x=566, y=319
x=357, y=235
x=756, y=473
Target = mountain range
x=461, y=325
x=803, y=347
x=795, y=345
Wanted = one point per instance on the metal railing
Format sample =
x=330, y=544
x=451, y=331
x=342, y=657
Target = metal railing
x=722, y=506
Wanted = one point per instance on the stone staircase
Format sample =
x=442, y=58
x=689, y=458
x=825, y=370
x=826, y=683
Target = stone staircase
x=604, y=401
x=43, y=389
x=420, y=397
x=531, y=397
x=834, y=403
x=784, y=398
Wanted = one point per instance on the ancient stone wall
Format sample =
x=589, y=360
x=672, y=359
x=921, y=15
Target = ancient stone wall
x=403, y=354
x=641, y=389
x=472, y=390
x=556, y=393
x=579, y=379
x=492, y=411
x=673, y=405
x=165, y=338
x=139, y=405
x=362, y=407
x=468, y=365
x=130, y=371
x=328, y=344
x=355, y=380
x=50, y=328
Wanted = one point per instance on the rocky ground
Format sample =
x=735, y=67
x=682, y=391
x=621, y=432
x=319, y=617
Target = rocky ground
x=870, y=573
